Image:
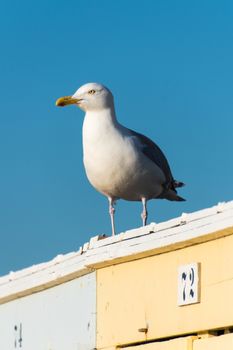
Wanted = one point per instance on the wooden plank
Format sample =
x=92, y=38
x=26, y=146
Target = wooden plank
x=223, y=342
x=183, y=343
x=160, y=242
x=187, y=230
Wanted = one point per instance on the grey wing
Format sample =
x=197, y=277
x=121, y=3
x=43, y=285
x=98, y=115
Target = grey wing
x=154, y=153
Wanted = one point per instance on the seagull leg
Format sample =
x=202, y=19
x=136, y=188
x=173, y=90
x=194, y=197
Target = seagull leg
x=112, y=212
x=144, y=212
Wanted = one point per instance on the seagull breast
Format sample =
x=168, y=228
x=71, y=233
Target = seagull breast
x=114, y=162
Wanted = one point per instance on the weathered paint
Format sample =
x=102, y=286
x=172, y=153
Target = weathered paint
x=187, y=230
x=143, y=293
x=36, y=278
x=58, y=318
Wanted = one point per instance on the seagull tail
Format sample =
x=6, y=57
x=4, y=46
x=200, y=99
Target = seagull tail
x=171, y=195
x=179, y=199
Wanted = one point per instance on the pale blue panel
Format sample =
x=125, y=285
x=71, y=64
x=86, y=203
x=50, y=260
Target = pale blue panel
x=59, y=318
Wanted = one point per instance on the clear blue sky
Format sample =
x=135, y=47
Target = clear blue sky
x=169, y=65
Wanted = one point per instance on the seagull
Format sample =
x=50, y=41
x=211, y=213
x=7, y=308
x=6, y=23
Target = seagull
x=119, y=162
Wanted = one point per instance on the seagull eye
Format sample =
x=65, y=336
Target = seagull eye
x=91, y=92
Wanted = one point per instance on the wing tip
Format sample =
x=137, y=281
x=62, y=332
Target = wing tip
x=178, y=184
x=180, y=199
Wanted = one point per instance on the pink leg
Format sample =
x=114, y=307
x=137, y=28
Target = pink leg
x=144, y=212
x=112, y=212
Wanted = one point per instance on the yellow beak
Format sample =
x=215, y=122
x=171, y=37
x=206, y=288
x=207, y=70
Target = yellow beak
x=66, y=100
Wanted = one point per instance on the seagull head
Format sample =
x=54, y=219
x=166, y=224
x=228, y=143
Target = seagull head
x=89, y=97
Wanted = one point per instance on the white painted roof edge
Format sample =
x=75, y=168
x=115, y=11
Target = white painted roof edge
x=129, y=243
x=175, y=237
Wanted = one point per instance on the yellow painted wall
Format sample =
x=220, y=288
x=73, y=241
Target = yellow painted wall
x=174, y=344
x=143, y=293
x=223, y=342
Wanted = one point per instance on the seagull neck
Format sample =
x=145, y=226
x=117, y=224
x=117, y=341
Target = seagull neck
x=106, y=116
